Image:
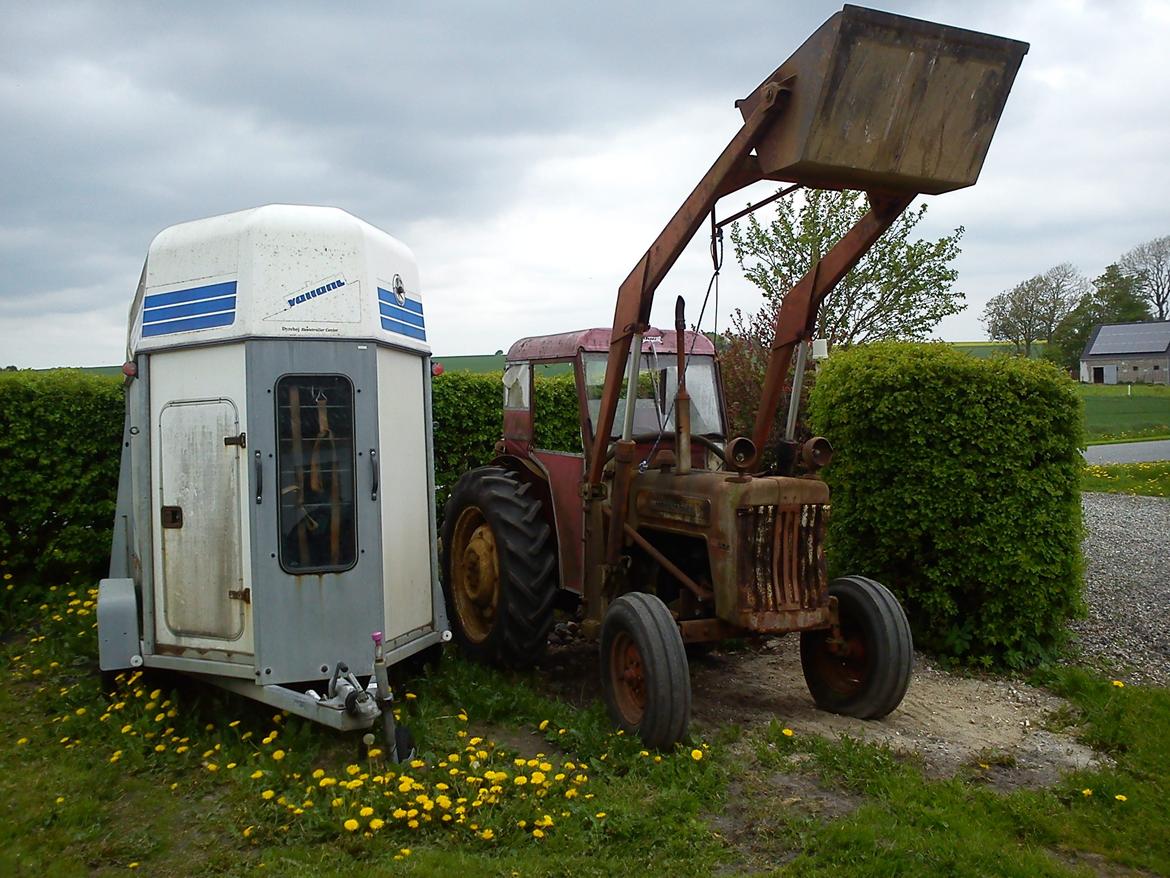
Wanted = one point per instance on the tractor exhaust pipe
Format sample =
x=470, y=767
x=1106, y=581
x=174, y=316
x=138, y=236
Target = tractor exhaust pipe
x=682, y=400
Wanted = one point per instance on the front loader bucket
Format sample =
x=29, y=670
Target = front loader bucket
x=887, y=103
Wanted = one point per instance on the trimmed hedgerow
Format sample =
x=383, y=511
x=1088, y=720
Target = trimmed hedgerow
x=467, y=410
x=955, y=482
x=60, y=443
x=468, y=416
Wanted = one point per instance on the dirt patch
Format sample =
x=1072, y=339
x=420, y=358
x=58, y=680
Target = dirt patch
x=746, y=823
x=947, y=722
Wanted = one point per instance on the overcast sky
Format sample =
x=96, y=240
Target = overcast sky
x=528, y=152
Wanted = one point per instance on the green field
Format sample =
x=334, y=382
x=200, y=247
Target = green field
x=1120, y=412
x=162, y=776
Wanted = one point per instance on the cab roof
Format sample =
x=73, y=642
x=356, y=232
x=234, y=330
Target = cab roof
x=566, y=345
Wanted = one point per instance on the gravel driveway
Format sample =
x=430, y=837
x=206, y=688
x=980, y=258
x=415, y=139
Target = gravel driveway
x=1127, y=586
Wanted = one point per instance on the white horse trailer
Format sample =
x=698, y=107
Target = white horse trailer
x=275, y=502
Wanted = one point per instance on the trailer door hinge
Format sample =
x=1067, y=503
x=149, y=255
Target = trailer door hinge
x=241, y=440
x=241, y=594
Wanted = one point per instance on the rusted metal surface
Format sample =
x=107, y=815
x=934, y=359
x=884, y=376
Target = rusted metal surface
x=889, y=103
x=566, y=345
x=706, y=630
x=564, y=473
x=764, y=537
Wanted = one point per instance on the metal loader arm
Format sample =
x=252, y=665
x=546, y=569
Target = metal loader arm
x=798, y=312
x=735, y=168
x=891, y=105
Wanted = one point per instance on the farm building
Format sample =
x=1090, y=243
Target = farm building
x=1127, y=353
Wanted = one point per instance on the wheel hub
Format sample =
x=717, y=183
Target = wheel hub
x=476, y=574
x=629, y=678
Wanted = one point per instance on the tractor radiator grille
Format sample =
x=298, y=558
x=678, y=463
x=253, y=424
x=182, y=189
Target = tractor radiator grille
x=783, y=558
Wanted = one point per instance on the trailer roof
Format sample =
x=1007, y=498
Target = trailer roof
x=566, y=345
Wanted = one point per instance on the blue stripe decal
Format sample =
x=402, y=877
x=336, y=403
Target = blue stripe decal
x=205, y=322
x=401, y=314
x=390, y=299
x=403, y=329
x=190, y=309
x=211, y=291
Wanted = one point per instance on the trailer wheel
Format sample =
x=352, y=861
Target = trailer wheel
x=498, y=568
x=644, y=672
x=865, y=674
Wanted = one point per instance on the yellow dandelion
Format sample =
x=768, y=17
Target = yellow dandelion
x=267, y=794
x=1086, y=792
x=20, y=742
x=351, y=825
x=257, y=774
x=487, y=834
x=367, y=811
x=1120, y=798
x=787, y=733
x=600, y=815
x=538, y=833
x=377, y=823
x=278, y=755
x=1118, y=684
x=696, y=755
x=248, y=832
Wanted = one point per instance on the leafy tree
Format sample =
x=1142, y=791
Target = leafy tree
x=1113, y=299
x=1149, y=263
x=1032, y=310
x=900, y=289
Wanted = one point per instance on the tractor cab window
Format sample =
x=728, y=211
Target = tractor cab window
x=516, y=385
x=315, y=467
x=654, y=399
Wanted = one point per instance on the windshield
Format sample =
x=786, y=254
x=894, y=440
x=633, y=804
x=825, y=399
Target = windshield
x=657, y=384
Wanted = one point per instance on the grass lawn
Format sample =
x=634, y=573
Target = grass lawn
x=1149, y=479
x=166, y=777
x=1119, y=412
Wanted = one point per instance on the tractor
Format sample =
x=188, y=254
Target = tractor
x=663, y=530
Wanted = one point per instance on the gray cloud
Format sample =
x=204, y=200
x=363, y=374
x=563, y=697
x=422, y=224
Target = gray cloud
x=446, y=124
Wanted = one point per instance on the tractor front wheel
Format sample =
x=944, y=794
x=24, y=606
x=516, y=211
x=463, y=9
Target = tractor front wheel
x=644, y=672
x=498, y=567
x=865, y=671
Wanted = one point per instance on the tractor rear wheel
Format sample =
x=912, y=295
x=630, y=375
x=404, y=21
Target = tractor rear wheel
x=644, y=672
x=866, y=672
x=498, y=567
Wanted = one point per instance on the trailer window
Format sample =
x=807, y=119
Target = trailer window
x=315, y=470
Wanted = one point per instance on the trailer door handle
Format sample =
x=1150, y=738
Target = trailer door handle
x=374, y=484
x=259, y=479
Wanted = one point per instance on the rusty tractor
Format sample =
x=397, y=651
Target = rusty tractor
x=662, y=531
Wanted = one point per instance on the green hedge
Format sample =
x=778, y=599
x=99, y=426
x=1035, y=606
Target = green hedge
x=955, y=482
x=468, y=416
x=60, y=438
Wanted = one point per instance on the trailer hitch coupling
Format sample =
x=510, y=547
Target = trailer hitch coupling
x=345, y=690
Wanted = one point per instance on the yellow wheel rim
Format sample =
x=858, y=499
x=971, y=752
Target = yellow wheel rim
x=475, y=574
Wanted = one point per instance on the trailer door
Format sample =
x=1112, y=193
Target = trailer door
x=202, y=576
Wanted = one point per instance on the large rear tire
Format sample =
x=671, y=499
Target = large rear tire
x=644, y=673
x=865, y=675
x=498, y=567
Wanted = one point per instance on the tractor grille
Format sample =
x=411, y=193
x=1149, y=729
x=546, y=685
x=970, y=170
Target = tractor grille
x=783, y=557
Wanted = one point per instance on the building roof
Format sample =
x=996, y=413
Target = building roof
x=1120, y=339
x=566, y=345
